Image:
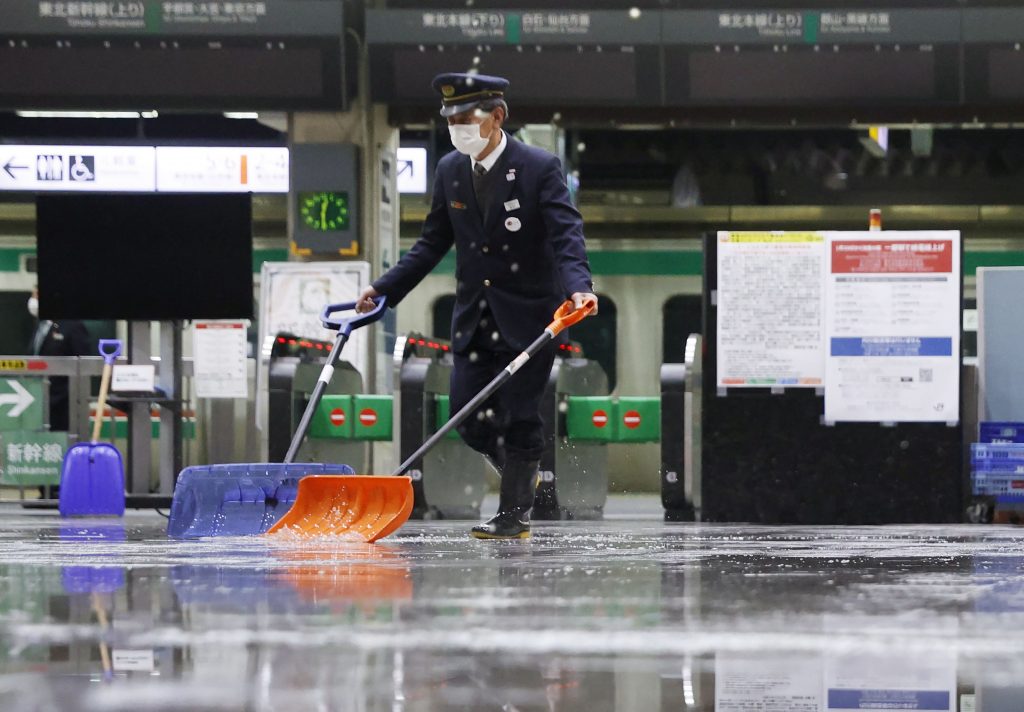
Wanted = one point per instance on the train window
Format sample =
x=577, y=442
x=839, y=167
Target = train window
x=598, y=336
x=442, y=323
x=680, y=317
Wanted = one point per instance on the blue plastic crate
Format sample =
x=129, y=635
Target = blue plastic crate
x=1001, y=432
x=1007, y=452
x=1003, y=484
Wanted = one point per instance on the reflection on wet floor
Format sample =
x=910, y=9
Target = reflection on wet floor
x=625, y=614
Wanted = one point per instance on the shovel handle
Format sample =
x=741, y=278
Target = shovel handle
x=101, y=402
x=566, y=315
x=347, y=324
x=110, y=349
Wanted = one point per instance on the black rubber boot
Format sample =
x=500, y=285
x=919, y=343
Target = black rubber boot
x=515, y=500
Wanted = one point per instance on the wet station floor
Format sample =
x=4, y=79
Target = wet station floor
x=625, y=614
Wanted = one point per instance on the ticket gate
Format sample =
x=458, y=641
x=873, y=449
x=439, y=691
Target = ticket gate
x=450, y=481
x=291, y=381
x=680, y=435
x=573, y=472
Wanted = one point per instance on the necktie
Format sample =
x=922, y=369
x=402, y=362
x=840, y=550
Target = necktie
x=478, y=177
x=480, y=188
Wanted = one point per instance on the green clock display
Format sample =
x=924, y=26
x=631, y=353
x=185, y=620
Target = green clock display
x=326, y=211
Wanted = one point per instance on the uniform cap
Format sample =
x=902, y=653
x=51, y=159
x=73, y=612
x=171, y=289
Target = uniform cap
x=461, y=91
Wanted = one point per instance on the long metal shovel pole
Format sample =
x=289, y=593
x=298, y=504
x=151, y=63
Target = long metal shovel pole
x=477, y=400
x=565, y=316
x=314, y=399
x=344, y=326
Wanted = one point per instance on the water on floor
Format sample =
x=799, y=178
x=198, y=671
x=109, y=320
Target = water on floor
x=621, y=615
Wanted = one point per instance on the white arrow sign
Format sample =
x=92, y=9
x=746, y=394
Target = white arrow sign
x=20, y=399
x=412, y=169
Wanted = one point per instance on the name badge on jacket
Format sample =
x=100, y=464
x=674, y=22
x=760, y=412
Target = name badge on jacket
x=457, y=205
x=512, y=205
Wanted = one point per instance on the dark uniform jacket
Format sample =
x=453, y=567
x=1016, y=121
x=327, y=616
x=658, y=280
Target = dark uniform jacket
x=523, y=254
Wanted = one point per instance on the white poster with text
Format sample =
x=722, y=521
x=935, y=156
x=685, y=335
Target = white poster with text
x=893, y=327
x=770, y=304
x=220, y=350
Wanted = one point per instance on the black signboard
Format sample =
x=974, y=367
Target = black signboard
x=134, y=54
x=812, y=58
x=792, y=59
x=562, y=58
x=994, y=56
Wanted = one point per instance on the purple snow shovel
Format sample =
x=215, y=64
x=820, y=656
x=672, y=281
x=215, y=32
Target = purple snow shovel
x=92, y=478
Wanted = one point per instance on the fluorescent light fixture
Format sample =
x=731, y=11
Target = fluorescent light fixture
x=252, y=115
x=88, y=114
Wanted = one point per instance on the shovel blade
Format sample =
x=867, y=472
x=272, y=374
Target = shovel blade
x=367, y=507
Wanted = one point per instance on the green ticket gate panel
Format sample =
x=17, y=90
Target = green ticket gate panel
x=333, y=418
x=372, y=417
x=590, y=418
x=444, y=408
x=638, y=420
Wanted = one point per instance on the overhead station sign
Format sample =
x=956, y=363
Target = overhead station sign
x=77, y=168
x=296, y=17
x=412, y=169
x=144, y=169
x=190, y=169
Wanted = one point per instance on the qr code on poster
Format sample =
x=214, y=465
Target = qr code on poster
x=925, y=375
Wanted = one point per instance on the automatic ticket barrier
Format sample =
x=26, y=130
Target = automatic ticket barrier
x=450, y=481
x=294, y=371
x=681, y=388
x=574, y=467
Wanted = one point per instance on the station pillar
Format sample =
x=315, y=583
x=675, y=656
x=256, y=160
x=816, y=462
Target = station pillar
x=344, y=164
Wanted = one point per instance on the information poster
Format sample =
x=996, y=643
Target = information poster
x=893, y=327
x=219, y=348
x=292, y=296
x=770, y=309
x=890, y=682
x=768, y=683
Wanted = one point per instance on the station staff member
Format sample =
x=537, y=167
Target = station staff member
x=520, y=253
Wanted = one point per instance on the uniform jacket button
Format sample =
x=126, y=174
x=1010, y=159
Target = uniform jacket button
x=487, y=283
x=486, y=248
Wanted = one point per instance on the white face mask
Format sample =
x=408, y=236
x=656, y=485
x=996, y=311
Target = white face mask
x=467, y=139
x=33, y=306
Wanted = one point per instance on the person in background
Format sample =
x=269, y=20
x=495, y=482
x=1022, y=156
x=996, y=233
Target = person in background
x=520, y=253
x=67, y=337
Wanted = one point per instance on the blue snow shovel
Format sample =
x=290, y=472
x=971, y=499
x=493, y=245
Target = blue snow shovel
x=92, y=477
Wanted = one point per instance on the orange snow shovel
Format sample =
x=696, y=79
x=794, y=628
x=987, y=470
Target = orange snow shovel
x=372, y=507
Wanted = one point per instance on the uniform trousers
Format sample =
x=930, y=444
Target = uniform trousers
x=508, y=424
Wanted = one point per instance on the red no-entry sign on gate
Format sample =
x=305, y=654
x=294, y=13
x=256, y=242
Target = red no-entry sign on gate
x=631, y=419
x=337, y=417
x=600, y=418
x=368, y=417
